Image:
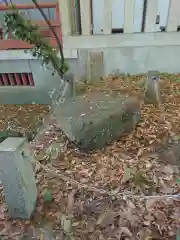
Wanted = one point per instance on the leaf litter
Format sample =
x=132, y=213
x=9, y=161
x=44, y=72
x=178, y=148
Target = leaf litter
x=131, y=166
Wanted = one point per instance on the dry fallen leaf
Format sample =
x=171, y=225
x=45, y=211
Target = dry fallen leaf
x=106, y=218
x=103, y=169
x=123, y=232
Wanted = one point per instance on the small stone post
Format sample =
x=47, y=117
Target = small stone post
x=152, y=93
x=17, y=177
x=70, y=85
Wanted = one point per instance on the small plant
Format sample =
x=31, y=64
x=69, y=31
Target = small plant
x=178, y=181
x=177, y=80
x=140, y=83
x=140, y=180
x=47, y=196
x=137, y=177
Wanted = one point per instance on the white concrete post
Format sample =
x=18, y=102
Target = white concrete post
x=173, y=16
x=129, y=6
x=17, y=177
x=65, y=17
x=150, y=23
x=107, y=17
x=85, y=9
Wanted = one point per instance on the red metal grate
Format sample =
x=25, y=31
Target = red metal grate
x=10, y=43
x=16, y=79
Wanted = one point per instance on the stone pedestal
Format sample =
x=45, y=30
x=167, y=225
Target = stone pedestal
x=17, y=177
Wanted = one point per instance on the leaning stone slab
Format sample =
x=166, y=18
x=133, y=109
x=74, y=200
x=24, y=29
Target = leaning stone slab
x=95, y=120
x=17, y=177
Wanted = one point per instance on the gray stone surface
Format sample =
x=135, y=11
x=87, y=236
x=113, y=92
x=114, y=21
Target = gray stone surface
x=129, y=53
x=95, y=120
x=17, y=178
x=27, y=95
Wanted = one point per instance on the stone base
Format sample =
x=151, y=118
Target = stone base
x=95, y=120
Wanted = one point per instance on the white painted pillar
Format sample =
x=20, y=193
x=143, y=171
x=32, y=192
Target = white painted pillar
x=173, y=16
x=129, y=7
x=107, y=23
x=65, y=17
x=152, y=9
x=85, y=9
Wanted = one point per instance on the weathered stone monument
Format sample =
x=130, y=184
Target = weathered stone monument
x=17, y=177
x=94, y=120
x=152, y=93
x=95, y=66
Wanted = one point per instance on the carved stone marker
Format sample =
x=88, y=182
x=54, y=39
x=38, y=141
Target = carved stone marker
x=95, y=69
x=17, y=177
x=152, y=94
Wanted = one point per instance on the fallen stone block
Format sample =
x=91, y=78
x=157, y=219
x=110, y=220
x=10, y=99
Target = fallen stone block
x=17, y=177
x=93, y=121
